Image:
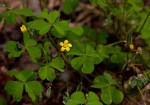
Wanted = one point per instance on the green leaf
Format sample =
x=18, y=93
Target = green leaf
x=86, y=60
x=30, y=42
x=11, y=46
x=103, y=81
x=9, y=17
x=12, y=72
x=88, y=65
x=24, y=11
x=111, y=94
x=3, y=101
x=108, y=77
x=57, y=63
x=117, y=95
x=46, y=72
x=77, y=30
x=13, y=50
x=24, y=75
x=34, y=53
x=53, y=16
x=76, y=98
x=93, y=99
x=69, y=5
x=15, y=89
x=33, y=88
x=100, y=82
x=106, y=95
x=77, y=62
x=118, y=56
x=56, y=34
x=61, y=27
x=40, y=25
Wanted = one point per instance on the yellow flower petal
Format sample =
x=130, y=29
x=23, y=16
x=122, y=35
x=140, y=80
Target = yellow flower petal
x=62, y=49
x=61, y=44
x=66, y=42
x=131, y=46
x=67, y=49
x=23, y=28
x=69, y=45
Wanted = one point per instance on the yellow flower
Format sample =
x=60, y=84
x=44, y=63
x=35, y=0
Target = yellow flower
x=23, y=28
x=65, y=46
x=131, y=46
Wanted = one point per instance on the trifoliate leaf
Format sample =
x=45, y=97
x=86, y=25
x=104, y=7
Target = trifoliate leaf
x=86, y=59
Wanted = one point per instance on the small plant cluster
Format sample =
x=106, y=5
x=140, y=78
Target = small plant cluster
x=81, y=50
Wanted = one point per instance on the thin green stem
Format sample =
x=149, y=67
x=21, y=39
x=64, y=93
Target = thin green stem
x=115, y=43
x=144, y=22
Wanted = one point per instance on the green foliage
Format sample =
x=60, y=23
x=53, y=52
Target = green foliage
x=12, y=48
x=69, y=5
x=15, y=49
x=24, y=12
x=33, y=88
x=122, y=23
x=93, y=99
x=61, y=27
x=77, y=30
x=118, y=56
x=86, y=59
x=46, y=72
x=15, y=88
x=57, y=63
x=76, y=98
x=25, y=77
x=79, y=98
x=109, y=92
x=10, y=16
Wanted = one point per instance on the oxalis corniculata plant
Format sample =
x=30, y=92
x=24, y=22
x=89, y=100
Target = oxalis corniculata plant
x=57, y=48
